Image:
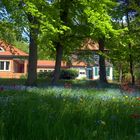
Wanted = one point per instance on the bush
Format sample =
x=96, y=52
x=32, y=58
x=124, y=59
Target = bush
x=64, y=74
x=23, y=77
x=45, y=75
x=68, y=74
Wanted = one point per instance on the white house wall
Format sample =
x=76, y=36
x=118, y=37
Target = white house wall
x=81, y=71
x=44, y=69
x=110, y=77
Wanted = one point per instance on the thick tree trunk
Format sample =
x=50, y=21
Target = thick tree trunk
x=32, y=61
x=59, y=53
x=102, y=66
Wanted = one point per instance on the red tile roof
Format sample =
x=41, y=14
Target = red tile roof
x=78, y=64
x=49, y=64
x=10, y=50
x=90, y=45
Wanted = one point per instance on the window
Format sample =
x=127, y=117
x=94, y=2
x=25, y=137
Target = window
x=82, y=72
x=96, y=58
x=108, y=71
x=4, y=65
x=96, y=71
x=1, y=49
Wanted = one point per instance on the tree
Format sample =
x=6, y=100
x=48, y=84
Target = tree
x=70, y=31
x=126, y=17
x=101, y=28
x=29, y=15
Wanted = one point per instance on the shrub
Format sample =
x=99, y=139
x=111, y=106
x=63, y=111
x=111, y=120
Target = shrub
x=45, y=75
x=64, y=74
x=68, y=74
x=23, y=77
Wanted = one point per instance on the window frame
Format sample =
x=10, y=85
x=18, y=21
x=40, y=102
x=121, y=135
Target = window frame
x=5, y=65
x=1, y=49
x=96, y=70
x=108, y=71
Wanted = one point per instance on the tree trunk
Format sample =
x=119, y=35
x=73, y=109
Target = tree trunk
x=64, y=6
x=131, y=66
x=59, y=53
x=130, y=50
x=102, y=66
x=120, y=74
x=32, y=61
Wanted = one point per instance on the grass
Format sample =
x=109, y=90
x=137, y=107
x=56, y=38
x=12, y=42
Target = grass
x=47, y=82
x=68, y=114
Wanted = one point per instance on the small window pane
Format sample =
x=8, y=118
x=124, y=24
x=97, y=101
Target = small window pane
x=7, y=65
x=1, y=65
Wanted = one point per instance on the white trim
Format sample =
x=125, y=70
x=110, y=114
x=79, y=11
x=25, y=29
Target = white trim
x=1, y=49
x=5, y=65
x=88, y=70
x=95, y=76
x=110, y=77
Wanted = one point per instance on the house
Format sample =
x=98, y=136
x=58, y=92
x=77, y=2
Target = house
x=13, y=62
x=48, y=65
x=88, y=63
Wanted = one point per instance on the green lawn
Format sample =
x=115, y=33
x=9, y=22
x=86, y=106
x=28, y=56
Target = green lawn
x=47, y=82
x=68, y=114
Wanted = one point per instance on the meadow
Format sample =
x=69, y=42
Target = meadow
x=69, y=114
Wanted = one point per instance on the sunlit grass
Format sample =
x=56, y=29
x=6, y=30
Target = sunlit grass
x=68, y=114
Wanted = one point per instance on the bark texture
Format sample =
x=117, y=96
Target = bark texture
x=102, y=71
x=59, y=53
x=32, y=61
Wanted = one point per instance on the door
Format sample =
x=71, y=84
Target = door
x=89, y=73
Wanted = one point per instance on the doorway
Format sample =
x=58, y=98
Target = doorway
x=89, y=73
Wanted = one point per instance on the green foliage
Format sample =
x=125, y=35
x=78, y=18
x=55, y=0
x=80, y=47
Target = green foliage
x=45, y=75
x=68, y=74
x=137, y=74
x=64, y=74
x=23, y=77
x=22, y=45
